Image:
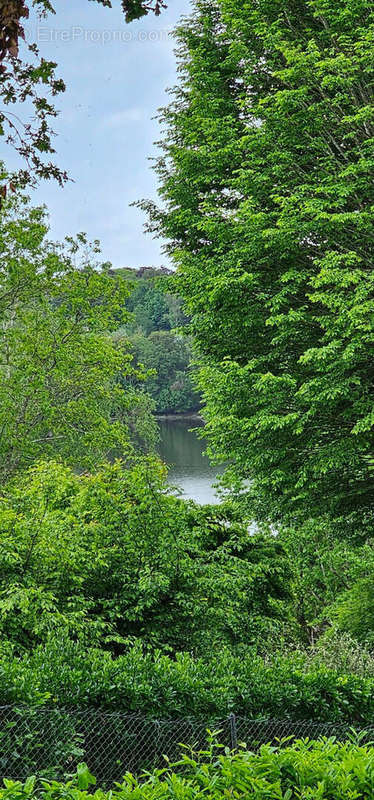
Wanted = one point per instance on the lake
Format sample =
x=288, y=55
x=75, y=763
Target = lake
x=183, y=451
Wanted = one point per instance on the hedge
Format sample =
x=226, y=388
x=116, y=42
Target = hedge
x=67, y=675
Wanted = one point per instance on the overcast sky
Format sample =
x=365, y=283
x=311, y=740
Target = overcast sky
x=116, y=76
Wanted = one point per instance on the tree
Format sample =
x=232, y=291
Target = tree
x=149, y=307
x=328, y=574
x=167, y=356
x=59, y=394
x=267, y=181
x=154, y=336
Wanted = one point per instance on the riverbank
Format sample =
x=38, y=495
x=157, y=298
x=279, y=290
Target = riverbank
x=194, y=417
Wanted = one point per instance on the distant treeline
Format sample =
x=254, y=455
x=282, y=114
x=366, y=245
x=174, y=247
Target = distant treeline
x=155, y=340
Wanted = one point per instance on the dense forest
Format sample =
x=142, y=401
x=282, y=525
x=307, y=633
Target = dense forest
x=114, y=593
x=156, y=336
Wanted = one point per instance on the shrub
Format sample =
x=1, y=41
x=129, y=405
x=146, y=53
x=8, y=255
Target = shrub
x=341, y=652
x=322, y=770
x=113, y=557
x=66, y=674
x=29, y=742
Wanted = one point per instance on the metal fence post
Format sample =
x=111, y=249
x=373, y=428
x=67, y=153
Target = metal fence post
x=233, y=731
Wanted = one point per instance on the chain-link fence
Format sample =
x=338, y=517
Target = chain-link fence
x=51, y=742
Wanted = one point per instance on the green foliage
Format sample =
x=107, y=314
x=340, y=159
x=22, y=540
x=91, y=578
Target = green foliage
x=24, y=745
x=153, y=334
x=113, y=592
x=329, y=571
x=268, y=196
x=63, y=673
x=135, y=9
x=59, y=393
x=148, y=301
x=333, y=585
x=322, y=770
x=168, y=356
x=339, y=651
x=354, y=610
x=112, y=555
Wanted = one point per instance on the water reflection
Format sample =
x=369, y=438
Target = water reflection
x=183, y=451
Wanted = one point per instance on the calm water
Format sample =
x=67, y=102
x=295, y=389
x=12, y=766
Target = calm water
x=190, y=469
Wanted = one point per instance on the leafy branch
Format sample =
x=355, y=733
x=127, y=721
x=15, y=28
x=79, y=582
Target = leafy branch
x=34, y=83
